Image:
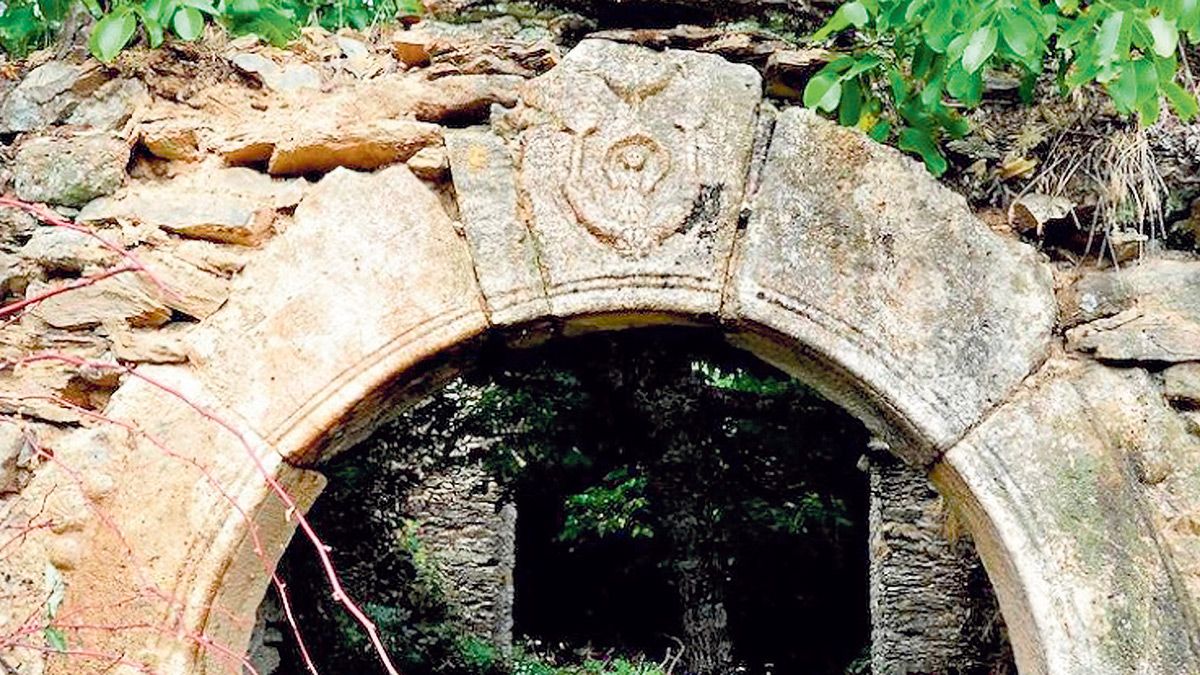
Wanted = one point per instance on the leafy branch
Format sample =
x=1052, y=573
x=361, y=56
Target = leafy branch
x=911, y=66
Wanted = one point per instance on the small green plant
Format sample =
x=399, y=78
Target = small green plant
x=911, y=65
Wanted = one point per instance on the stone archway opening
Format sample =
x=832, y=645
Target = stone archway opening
x=514, y=519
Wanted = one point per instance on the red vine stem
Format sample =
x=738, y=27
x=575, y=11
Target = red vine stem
x=82, y=282
x=259, y=550
x=49, y=217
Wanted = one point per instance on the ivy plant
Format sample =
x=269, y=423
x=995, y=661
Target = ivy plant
x=910, y=67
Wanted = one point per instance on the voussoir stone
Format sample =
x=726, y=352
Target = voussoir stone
x=632, y=167
x=485, y=180
x=70, y=171
x=858, y=251
x=1144, y=312
x=385, y=277
x=1103, y=597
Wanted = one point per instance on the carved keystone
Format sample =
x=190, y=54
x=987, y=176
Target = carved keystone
x=632, y=166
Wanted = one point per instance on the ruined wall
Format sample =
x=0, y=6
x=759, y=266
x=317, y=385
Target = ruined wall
x=207, y=173
x=931, y=608
x=469, y=533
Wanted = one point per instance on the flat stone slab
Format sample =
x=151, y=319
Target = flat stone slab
x=1137, y=313
x=874, y=266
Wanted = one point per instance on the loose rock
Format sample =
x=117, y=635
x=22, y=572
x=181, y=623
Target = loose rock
x=430, y=163
x=368, y=147
x=147, y=346
x=14, y=456
x=462, y=98
x=60, y=250
x=216, y=214
x=190, y=290
x=70, y=171
x=111, y=106
x=120, y=298
x=1147, y=312
x=46, y=95
x=1181, y=384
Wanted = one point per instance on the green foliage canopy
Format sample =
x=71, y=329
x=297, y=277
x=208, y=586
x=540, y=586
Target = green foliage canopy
x=910, y=66
x=29, y=24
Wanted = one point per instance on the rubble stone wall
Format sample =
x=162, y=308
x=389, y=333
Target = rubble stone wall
x=247, y=254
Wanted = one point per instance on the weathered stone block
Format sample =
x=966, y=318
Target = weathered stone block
x=1145, y=312
x=863, y=256
x=1181, y=383
x=1104, y=596
x=47, y=94
x=118, y=298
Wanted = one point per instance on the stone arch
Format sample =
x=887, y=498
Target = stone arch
x=821, y=252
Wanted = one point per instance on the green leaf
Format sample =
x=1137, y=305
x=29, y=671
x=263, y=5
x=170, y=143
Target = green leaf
x=1123, y=90
x=188, y=23
x=880, y=131
x=55, y=639
x=1147, y=91
x=921, y=143
x=272, y=26
x=850, y=109
x=245, y=7
x=1183, y=102
x=851, y=13
x=823, y=92
x=964, y=86
x=979, y=49
x=410, y=8
x=1067, y=6
x=931, y=95
x=1019, y=34
x=202, y=6
x=1108, y=37
x=93, y=8
x=154, y=31
x=53, y=11
x=861, y=66
x=153, y=9
x=856, y=14
x=111, y=34
x=1166, y=35
x=899, y=86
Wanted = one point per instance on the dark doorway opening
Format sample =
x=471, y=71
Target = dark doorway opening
x=670, y=492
